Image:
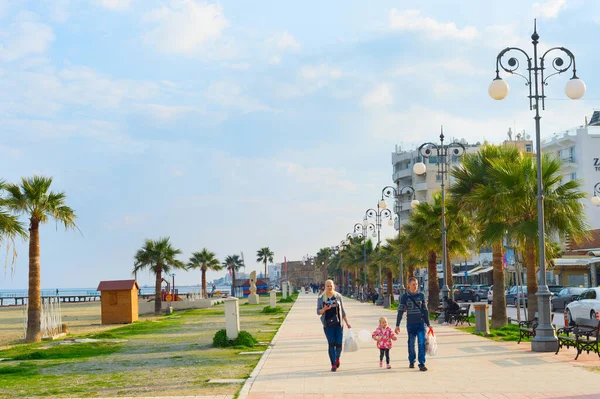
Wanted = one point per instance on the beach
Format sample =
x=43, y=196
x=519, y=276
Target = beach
x=81, y=317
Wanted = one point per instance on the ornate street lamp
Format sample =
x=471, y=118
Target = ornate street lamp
x=364, y=229
x=545, y=337
x=378, y=215
x=392, y=192
x=596, y=198
x=442, y=151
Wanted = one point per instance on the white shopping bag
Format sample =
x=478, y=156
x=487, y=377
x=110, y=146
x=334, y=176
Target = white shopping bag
x=350, y=342
x=431, y=343
x=365, y=336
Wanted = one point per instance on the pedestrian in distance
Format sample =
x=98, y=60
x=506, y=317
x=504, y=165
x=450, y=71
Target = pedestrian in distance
x=384, y=337
x=331, y=310
x=417, y=317
x=451, y=309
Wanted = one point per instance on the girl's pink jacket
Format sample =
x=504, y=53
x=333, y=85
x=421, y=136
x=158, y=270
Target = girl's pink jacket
x=386, y=335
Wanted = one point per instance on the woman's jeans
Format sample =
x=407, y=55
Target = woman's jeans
x=334, y=339
x=416, y=331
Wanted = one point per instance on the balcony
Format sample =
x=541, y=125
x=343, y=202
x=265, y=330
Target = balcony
x=401, y=174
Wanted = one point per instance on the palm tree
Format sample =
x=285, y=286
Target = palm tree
x=204, y=260
x=474, y=193
x=33, y=198
x=233, y=263
x=264, y=255
x=515, y=184
x=159, y=256
x=10, y=227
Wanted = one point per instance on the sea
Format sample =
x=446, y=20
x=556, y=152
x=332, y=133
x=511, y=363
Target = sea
x=145, y=290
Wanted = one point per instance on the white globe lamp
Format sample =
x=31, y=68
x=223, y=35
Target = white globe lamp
x=595, y=200
x=414, y=203
x=498, y=89
x=575, y=88
x=419, y=168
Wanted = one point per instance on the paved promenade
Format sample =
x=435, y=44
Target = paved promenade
x=467, y=366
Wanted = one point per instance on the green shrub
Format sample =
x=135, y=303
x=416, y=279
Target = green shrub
x=286, y=300
x=244, y=339
x=270, y=310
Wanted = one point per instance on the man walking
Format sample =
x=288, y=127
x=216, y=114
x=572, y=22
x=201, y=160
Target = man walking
x=417, y=316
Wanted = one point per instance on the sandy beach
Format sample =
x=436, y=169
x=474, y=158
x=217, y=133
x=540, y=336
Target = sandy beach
x=81, y=317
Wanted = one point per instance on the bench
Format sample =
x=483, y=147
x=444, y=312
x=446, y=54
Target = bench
x=462, y=314
x=436, y=313
x=527, y=327
x=584, y=338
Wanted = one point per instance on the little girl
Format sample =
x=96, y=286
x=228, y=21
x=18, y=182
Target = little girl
x=384, y=337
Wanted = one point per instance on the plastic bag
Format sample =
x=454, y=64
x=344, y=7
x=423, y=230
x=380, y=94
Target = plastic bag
x=365, y=336
x=431, y=346
x=351, y=342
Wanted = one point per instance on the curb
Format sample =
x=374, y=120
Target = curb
x=250, y=381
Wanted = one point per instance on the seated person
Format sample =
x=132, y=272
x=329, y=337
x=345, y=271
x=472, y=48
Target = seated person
x=450, y=309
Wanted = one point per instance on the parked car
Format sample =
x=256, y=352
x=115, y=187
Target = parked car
x=465, y=294
x=481, y=291
x=490, y=295
x=516, y=293
x=555, y=289
x=564, y=297
x=587, y=306
x=457, y=287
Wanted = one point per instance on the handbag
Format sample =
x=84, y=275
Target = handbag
x=423, y=315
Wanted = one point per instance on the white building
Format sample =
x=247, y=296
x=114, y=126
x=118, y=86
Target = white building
x=424, y=185
x=579, y=149
x=274, y=271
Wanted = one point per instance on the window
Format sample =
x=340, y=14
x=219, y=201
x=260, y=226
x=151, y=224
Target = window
x=438, y=177
x=454, y=158
x=563, y=292
x=433, y=160
x=528, y=148
x=592, y=294
x=574, y=176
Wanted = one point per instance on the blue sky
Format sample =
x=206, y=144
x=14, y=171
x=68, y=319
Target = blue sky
x=237, y=125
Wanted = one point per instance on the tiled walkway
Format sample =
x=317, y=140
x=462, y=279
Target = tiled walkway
x=467, y=366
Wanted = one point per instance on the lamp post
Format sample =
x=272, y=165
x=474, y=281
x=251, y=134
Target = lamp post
x=392, y=192
x=378, y=215
x=426, y=150
x=363, y=231
x=545, y=337
x=596, y=198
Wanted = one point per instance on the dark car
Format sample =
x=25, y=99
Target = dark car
x=564, y=297
x=515, y=293
x=481, y=292
x=465, y=294
x=458, y=287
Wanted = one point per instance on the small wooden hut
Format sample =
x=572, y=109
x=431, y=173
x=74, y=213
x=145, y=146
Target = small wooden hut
x=119, y=299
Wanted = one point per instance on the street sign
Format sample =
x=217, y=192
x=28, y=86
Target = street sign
x=466, y=273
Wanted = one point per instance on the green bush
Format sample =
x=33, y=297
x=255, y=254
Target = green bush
x=286, y=300
x=244, y=339
x=270, y=310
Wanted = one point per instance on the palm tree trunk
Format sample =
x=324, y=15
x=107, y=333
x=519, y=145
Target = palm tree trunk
x=157, y=296
x=433, y=283
x=204, y=293
x=34, y=305
x=265, y=269
x=499, y=297
x=532, y=284
x=232, y=282
x=450, y=281
x=411, y=272
x=390, y=284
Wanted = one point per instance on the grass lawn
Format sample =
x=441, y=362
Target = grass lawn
x=509, y=332
x=171, y=355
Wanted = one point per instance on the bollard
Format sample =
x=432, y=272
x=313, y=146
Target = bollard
x=284, y=290
x=232, y=317
x=273, y=298
x=481, y=319
x=291, y=288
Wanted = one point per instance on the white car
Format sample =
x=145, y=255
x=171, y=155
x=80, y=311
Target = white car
x=490, y=294
x=586, y=306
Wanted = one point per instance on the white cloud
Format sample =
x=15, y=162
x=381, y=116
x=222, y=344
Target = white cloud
x=184, y=26
x=381, y=95
x=456, y=66
x=24, y=37
x=322, y=71
x=284, y=41
x=230, y=95
x=115, y=5
x=549, y=8
x=165, y=113
x=413, y=21
x=316, y=176
x=10, y=152
x=59, y=9
x=275, y=60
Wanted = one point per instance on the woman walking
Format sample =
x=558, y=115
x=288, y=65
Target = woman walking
x=331, y=310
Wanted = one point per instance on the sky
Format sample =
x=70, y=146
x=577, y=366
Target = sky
x=238, y=125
